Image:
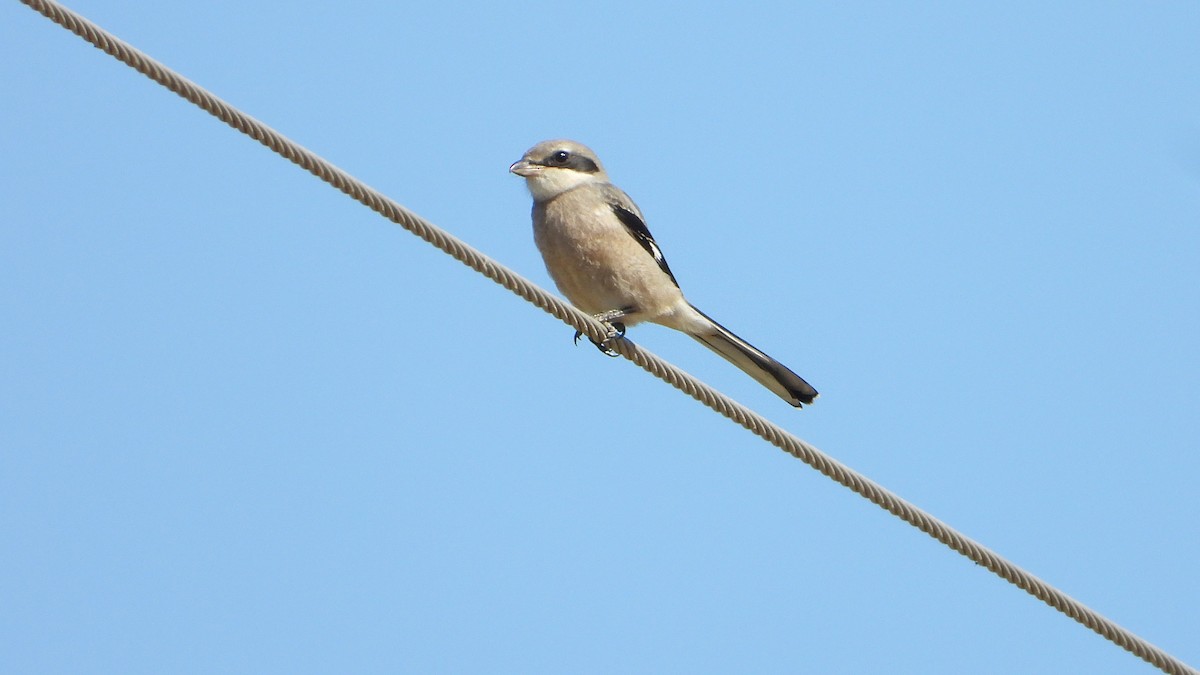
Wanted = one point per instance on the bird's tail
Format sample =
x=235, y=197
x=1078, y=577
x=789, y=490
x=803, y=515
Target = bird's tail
x=770, y=373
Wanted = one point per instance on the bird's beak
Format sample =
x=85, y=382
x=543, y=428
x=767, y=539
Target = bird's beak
x=524, y=168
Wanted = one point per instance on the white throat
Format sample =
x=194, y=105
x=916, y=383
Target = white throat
x=553, y=181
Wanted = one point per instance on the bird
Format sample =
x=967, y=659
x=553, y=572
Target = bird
x=601, y=256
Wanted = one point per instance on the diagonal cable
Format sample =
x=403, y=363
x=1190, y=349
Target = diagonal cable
x=667, y=372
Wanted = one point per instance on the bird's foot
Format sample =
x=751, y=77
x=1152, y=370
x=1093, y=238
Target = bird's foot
x=615, y=330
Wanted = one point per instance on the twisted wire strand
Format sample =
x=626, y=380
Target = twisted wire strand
x=667, y=372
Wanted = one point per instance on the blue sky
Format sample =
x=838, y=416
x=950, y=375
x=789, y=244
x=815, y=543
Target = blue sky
x=248, y=426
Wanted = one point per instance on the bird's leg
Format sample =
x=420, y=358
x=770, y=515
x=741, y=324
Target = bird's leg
x=610, y=319
x=616, y=329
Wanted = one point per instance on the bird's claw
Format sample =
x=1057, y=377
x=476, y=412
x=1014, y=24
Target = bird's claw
x=616, y=330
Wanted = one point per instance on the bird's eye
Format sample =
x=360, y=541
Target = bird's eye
x=561, y=157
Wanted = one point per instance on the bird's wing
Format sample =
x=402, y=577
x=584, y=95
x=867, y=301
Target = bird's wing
x=627, y=212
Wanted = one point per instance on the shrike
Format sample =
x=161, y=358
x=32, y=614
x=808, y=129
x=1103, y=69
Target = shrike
x=601, y=256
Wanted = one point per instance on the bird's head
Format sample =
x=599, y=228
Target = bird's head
x=550, y=168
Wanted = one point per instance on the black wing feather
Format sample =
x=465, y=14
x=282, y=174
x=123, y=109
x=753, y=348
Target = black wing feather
x=641, y=233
